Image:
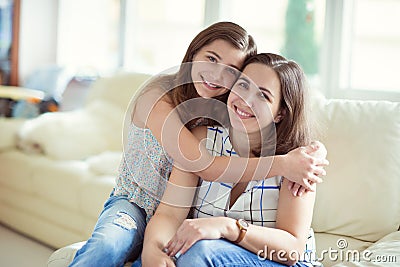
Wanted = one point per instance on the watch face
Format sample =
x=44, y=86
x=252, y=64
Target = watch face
x=243, y=223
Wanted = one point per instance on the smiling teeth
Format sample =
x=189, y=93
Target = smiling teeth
x=242, y=113
x=210, y=84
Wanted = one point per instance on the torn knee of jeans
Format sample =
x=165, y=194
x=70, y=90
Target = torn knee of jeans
x=125, y=221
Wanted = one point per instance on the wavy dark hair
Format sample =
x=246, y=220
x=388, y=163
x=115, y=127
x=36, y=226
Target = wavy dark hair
x=179, y=86
x=294, y=129
x=227, y=31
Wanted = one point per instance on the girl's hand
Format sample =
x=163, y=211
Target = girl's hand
x=303, y=167
x=154, y=257
x=193, y=230
x=318, y=150
x=298, y=190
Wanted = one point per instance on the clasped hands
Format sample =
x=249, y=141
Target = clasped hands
x=303, y=167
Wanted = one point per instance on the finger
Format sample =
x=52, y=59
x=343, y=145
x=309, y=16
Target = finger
x=188, y=245
x=307, y=185
x=168, y=245
x=176, y=248
x=171, y=246
x=321, y=162
x=290, y=185
x=301, y=191
x=295, y=189
x=313, y=178
x=311, y=148
x=319, y=171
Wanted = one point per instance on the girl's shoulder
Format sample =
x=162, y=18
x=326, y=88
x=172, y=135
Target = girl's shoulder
x=200, y=132
x=207, y=131
x=150, y=100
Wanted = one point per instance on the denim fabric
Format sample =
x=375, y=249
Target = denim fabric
x=221, y=253
x=117, y=236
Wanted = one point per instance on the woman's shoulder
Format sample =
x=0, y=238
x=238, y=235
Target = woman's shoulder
x=207, y=131
x=200, y=132
x=150, y=100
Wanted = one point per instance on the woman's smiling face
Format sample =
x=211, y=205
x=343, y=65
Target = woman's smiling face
x=215, y=68
x=255, y=99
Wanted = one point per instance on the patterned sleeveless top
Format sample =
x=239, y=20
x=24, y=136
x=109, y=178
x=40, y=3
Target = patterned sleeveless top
x=144, y=170
x=257, y=204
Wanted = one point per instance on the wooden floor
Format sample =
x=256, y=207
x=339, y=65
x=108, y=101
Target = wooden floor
x=17, y=250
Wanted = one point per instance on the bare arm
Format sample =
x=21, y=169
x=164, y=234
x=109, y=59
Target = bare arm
x=191, y=156
x=292, y=227
x=293, y=222
x=168, y=217
x=284, y=244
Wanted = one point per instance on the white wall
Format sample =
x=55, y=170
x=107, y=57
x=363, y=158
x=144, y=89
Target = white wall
x=37, y=36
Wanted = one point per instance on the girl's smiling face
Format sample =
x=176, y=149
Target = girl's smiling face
x=215, y=68
x=255, y=99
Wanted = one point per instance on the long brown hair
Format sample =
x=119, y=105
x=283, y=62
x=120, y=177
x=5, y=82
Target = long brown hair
x=294, y=129
x=227, y=31
x=179, y=86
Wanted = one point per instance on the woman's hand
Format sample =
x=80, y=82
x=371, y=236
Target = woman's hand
x=154, y=257
x=315, y=149
x=303, y=165
x=193, y=230
x=298, y=190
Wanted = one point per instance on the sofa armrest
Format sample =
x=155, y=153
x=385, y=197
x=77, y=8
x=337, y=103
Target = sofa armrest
x=8, y=132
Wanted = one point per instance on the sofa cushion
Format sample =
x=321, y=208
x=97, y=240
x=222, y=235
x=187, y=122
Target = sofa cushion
x=9, y=127
x=106, y=163
x=332, y=249
x=64, y=256
x=16, y=171
x=383, y=253
x=360, y=196
x=118, y=89
x=93, y=194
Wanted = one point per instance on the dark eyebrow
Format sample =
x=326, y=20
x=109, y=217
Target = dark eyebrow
x=244, y=79
x=220, y=58
x=261, y=88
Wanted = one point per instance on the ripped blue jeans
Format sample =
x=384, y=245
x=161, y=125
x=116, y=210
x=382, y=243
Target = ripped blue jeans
x=117, y=236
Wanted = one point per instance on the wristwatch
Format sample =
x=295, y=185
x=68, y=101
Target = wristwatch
x=243, y=226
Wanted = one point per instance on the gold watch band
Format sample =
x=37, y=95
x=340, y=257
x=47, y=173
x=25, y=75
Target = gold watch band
x=243, y=226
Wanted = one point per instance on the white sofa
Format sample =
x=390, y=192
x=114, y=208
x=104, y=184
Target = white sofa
x=56, y=196
x=56, y=170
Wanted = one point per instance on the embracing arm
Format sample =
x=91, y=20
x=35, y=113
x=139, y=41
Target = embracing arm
x=190, y=155
x=171, y=212
x=284, y=244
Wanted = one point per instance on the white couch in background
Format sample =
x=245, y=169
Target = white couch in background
x=56, y=196
x=56, y=170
